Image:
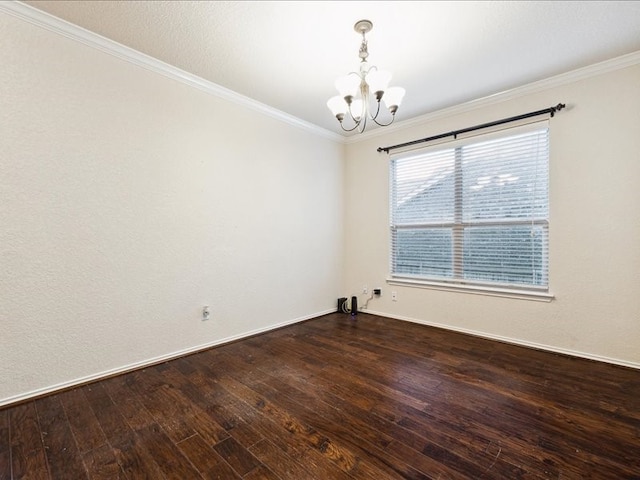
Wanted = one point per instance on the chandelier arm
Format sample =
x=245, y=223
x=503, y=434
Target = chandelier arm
x=384, y=124
x=373, y=117
x=350, y=129
x=364, y=124
x=357, y=122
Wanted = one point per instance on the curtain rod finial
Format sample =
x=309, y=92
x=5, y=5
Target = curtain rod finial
x=557, y=108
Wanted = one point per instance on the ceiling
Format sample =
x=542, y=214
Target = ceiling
x=287, y=54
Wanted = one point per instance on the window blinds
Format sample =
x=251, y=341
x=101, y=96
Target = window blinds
x=473, y=211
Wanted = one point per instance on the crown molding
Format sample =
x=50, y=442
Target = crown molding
x=61, y=27
x=86, y=37
x=606, y=66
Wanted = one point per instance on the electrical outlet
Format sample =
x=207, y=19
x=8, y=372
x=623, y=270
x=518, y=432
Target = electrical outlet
x=365, y=290
x=394, y=296
x=206, y=313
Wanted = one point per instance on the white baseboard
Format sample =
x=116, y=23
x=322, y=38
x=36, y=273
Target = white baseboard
x=151, y=361
x=173, y=355
x=513, y=341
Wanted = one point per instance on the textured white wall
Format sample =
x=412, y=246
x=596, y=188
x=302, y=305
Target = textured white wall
x=594, y=227
x=128, y=201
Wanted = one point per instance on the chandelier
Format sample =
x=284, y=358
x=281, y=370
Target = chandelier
x=362, y=91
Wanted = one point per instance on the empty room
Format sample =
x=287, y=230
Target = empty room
x=318, y=240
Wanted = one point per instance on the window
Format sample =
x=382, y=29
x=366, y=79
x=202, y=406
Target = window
x=474, y=212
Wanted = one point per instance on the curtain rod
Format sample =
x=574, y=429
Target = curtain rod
x=455, y=133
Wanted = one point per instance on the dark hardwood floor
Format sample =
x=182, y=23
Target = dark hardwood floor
x=337, y=398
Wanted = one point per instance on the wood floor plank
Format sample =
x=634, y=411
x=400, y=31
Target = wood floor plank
x=84, y=424
x=206, y=460
x=4, y=430
x=178, y=414
x=196, y=407
x=5, y=447
x=237, y=456
x=107, y=413
x=5, y=465
x=135, y=460
x=170, y=459
x=261, y=473
x=63, y=457
x=201, y=381
x=163, y=403
x=129, y=404
x=284, y=466
x=101, y=464
x=28, y=457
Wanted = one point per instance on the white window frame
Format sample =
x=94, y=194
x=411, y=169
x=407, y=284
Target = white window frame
x=457, y=284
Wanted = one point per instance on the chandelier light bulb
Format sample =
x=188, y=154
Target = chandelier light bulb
x=361, y=91
x=348, y=85
x=337, y=105
x=357, y=109
x=393, y=98
x=378, y=80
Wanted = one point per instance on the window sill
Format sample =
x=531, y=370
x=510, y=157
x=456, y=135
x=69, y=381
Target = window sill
x=539, y=296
